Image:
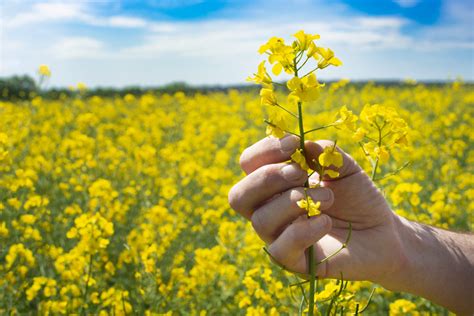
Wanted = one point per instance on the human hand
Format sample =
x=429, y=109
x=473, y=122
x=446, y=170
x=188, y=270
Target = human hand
x=268, y=194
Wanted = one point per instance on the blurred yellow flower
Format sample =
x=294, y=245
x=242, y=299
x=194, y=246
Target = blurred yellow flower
x=44, y=70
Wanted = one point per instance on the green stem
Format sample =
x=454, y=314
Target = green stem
x=298, y=58
x=301, y=127
x=279, y=84
x=286, y=110
x=309, y=73
x=299, y=68
x=311, y=265
x=406, y=164
x=344, y=245
x=368, y=301
x=374, y=170
x=318, y=128
x=271, y=124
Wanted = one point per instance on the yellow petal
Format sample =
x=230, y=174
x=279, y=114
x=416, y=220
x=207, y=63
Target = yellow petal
x=277, y=68
x=331, y=173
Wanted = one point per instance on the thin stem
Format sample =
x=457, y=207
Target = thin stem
x=123, y=306
x=344, y=245
x=304, y=295
x=309, y=73
x=370, y=138
x=374, y=170
x=298, y=57
x=388, y=133
x=335, y=296
x=300, y=309
x=406, y=164
x=318, y=128
x=368, y=301
x=312, y=267
x=286, y=110
x=299, y=68
x=274, y=260
x=271, y=124
x=279, y=84
x=362, y=147
x=301, y=127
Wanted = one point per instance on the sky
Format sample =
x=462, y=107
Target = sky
x=156, y=42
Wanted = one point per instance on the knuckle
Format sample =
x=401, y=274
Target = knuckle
x=258, y=222
x=244, y=160
x=234, y=198
x=270, y=174
x=277, y=255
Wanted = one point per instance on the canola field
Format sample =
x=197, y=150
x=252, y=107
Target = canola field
x=118, y=206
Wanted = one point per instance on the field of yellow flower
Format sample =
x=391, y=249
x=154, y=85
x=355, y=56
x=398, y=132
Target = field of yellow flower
x=118, y=206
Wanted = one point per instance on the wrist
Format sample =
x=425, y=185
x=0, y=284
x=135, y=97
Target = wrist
x=432, y=263
x=402, y=264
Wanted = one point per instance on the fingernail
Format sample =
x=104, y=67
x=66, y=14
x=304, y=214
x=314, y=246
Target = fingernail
x=292, y=172
x=289, y=144
x=320, y=194
x=318, y=222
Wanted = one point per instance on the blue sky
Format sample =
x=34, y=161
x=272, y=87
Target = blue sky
x=154, y=42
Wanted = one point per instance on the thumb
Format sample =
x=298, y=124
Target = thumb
x=289, y=249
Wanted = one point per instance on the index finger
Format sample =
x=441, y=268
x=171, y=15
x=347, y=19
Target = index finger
x=269, y=150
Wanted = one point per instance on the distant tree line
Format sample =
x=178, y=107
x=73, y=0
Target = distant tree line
x=25, y=88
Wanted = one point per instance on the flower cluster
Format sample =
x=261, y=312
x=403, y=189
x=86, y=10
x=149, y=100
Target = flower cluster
x=292, y=59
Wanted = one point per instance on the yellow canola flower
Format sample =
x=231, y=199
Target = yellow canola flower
x=382, y=154
x=273, y=45
x=359, y=134
x=261, y=77
x=300, y=159
x=309, y=205
x=326, y=57
x=4, y=232
x=304, y=40
x=304, y=90
x=267, y=97
x=328, y=291
x=330, y=156
x=346, y=119
x=44, y=70
x=281, y=56
x=403, y=307
x=277, y=124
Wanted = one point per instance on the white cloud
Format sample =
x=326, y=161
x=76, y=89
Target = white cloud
x=211, y=39
x=78, y=48
x=55, y=11
x=455, y=30
x=124, y=21
x=47, y=12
